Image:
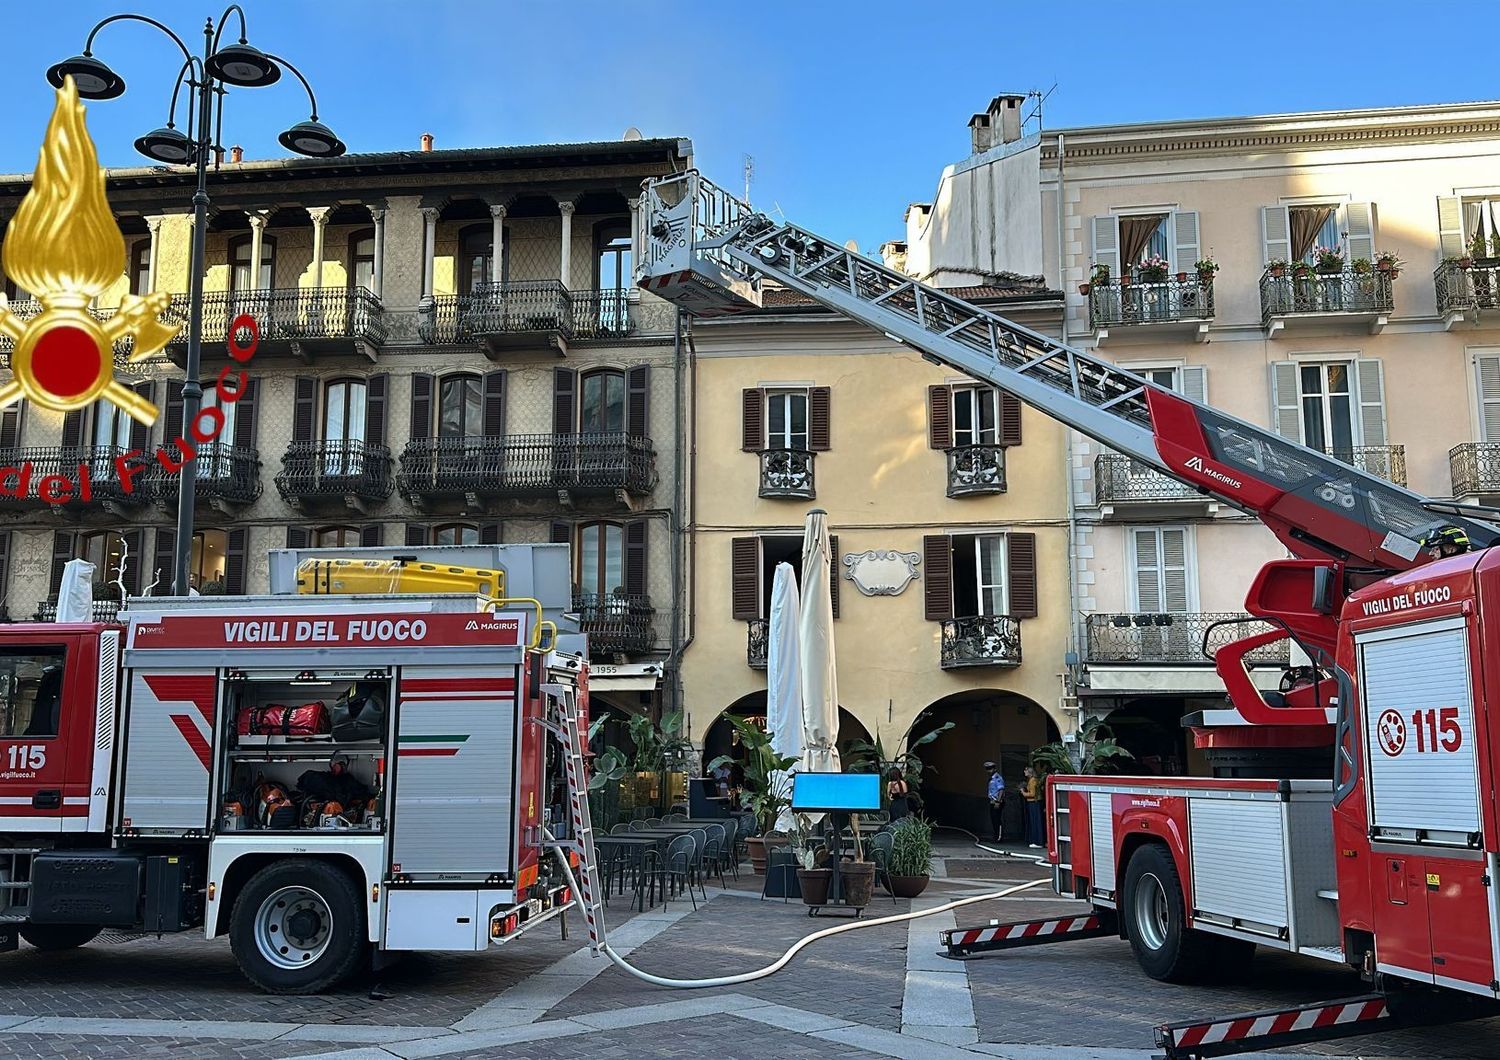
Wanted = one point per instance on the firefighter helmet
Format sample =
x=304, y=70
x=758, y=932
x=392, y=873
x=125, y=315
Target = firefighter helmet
x=1446, y=537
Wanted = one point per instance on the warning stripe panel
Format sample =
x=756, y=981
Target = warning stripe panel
x=1025, y=929
x=1239, y=1028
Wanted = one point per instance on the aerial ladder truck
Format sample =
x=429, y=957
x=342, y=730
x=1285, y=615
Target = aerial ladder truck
x=1352, y=817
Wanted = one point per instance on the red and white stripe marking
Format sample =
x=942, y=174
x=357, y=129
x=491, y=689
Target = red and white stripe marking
x=1299, y=1019
x=1026, y=930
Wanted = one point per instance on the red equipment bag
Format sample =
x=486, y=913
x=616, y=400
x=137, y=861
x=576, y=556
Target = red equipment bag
x=310, y=719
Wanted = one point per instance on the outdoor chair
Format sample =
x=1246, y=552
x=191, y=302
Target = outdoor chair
x=878, y=846
x=653, y=822
x=731, y=849
x=713, y=853
x=638, y=825
x=700, y=840
x=676, y=866
x=620, y=829
x=675, y=818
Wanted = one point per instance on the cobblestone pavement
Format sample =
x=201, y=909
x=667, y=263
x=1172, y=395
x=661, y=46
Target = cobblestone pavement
x=543, y=997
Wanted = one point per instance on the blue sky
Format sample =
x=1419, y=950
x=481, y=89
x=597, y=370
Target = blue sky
x=849, y=110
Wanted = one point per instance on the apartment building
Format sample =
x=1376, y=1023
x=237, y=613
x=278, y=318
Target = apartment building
x=1303, y=321
x=450, y=351
x=948, y=524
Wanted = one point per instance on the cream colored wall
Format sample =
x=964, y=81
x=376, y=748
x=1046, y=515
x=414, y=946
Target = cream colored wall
x=1230, y=553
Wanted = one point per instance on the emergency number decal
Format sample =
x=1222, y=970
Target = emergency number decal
x=345, y=631
x=1433, y=731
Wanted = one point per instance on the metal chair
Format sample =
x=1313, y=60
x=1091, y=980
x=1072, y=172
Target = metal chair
x=620, y=829
x=638, y=825
x=653, y=822
x=879, y=847
x=700, y=840
x=731, y=850
x=713, y=852
x=676, y=865
x=675, y=818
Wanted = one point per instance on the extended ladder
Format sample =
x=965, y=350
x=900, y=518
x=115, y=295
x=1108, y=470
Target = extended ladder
x=568, y=727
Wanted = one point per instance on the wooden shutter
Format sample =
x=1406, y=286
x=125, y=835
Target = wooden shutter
x=135, y=561
x=370, y=535
x=1487, y=370
x=489, y=533
x=1107, y=243
x=304, y=409
x=4, y=572
x=1369, y=377
x=833, y=572
x=1275, y=233
x=1174, y=571
x=172, y=423
x=940, y=417
x=234, y=562
x=1359, y=222
x=752, y=419
x=63, y=543
x=244, y=415
x=819, y=429
x=416, y=534
x=72, y=429
x=140, y=433
x=1010, y=419
x=562, y=533
x=1286, y=402
x=298, y=537
x=494, y=405
x=1194, y=384
x=638, y=401
x=421, y=406
x=161, y=563
x=1451, y=243
x=1146, y=556
x=10, y=426
x=635, y=557
x=564, y=387
x=375, y=390
x=744, y=578
x=1185, y=240
x=937, y=575
x=1020, y=554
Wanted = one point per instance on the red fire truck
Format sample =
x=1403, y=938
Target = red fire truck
x=1352, y=817
x=320, y=777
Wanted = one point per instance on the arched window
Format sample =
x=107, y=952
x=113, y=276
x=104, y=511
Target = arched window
x=601, y=405
x=206, y=565
x=344, y=410
x=476, y=255
x=601, y=558
x=361, y=263
x=140, y=267
x=612, y=246
x=336, y=536
x=460, y=407
x=455, y=534
x=239, y=263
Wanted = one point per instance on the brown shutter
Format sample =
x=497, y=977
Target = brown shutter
x=72, y=431
x=63, y=542
x=494, y=404
x=10, y=426
x=421, y=407
x=140, y=433
x=753, y=420
x=244, y=415
x=833, y=572
x=172, y=425
x=939, y=417
x=1010, y=419
x=4, y=573
x=416, y=534
x=375, y=388
x=135, y=561
x=1020, y=554
x=161, y=562
x=744, y=578
x=489, y=533
x=298, y=537
x=564, y=416
x=234, y=562
x=370, y=534
x=304, y=409
x=635, y=557
x=562, y=534
x=819, y=429
x=638, y=401
x=937, y=576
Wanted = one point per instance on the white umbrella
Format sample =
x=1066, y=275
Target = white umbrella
x=75, y=595
x=784, y=677
x=820, y=688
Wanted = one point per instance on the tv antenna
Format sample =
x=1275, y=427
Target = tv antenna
x=749, y=175
x=1036, y=111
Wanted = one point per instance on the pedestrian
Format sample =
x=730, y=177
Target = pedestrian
x=898, y=793
x=1032, y=792
x=996, y=793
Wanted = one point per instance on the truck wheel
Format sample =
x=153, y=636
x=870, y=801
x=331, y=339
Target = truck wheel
x=298, y=927
x=1155, y=917
x=50, y=938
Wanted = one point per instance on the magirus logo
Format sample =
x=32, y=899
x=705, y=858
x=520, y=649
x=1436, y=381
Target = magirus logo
x=1195, y=463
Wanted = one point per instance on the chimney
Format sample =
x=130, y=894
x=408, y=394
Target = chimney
x=218, y=156
x=427, y=142
x=981, y=135
x=236, y=154
x=1005, y=117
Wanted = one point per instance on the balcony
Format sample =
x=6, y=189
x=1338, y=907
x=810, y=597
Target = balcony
x=1124, y=486
x=620, y=317
x=1316, y=299
x=540, y=316
x=84, y=468
x=1172, y=639
x=1467, y=290
x=976, y=469
x=304, y=322
x=348, y=472
x=1170, y=307
x=529, y=316
x=616, y=624
x=1386, y=461
x=528, y=465
x=757, y=646
x=787, y=473
x=980, y=640
x=227, y=476
x=104, y=610
x=27, y=308
x=1475, y=470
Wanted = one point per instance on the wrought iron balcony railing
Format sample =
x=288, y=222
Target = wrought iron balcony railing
x=520, y=464
x=1387, y=461
x=1461, y=288
x=292, y=315
x=1174, y=638
x=104, y=610
x=1117, y=304
x=223, y=472
x=26, y=308
x=980, y=640
x=521, y=306
x=1119, y=479
x=787, y=473
x=616, y=623
x=311, y=470
x=757, y=648
x=537, y=306
x=1475, y=469
x=1316, y=293
x=90, y=468
x=976, y=469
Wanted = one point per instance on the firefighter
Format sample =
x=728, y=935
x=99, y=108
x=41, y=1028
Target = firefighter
x=1446, y=541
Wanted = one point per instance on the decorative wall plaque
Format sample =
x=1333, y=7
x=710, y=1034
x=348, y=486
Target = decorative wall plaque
x=881, y=572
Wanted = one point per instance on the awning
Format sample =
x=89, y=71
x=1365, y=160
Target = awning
x=624, y=677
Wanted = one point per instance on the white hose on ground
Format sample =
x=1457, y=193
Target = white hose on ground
x=1035, y=859
x=782, y=961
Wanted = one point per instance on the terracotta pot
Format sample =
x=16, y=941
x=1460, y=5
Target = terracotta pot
x=858, y=882
x=1182, y=277
x=757, y=847
x=814, y=884
x=1207, y=276
x=1278, y=270
x=1465, y=263
x=1083, y=288
x=909, y=886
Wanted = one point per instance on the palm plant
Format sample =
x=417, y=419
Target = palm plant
x=866, y=757
x=762, y=795
x=1099, y=752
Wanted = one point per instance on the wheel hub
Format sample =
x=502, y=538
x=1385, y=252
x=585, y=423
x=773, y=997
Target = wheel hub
x=1152, y=913
x=293, y=927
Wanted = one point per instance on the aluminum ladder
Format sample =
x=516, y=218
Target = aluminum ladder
x=568, y=727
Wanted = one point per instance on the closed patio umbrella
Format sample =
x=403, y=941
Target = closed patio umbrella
x=820, y=690
x=783, y=677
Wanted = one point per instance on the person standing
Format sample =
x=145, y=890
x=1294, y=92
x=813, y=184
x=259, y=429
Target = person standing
x=898, y=794
x=996, y=794
x=1032, y=792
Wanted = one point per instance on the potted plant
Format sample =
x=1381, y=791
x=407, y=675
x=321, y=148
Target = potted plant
x=1495, y=245
x=1182, y=277
x=1389, y=261
x=1328, y=260
x=1206, y=267
x=857, y=877
x=866, y=757
x=763, y=794
x=1361, y=266
x=910, y=867
x=1100, y=274
x=1097, y=752
x=1153, y=269
x=814, y=878
x=1276, y=266
x=1476, y=249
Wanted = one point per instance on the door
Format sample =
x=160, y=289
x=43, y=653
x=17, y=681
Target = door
x=169, y=734
x=37, y=697
x=1458, y=917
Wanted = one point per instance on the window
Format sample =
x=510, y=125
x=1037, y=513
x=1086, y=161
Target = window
x=344, y=411
x=31, y=685
x=455, y=534
x=975, y=415
x=460, y=407
x=614, y=263
x=1313, y=227
x=1160, y=570
x=786, y=419
x=1328, y=408
x=602, y=408
x=206, y=563
x=214, y=458
x=476, y=256
x=239, y=262
x=601, y=558
x=336, y=536
x=104, y=549
x=979, y=575
x=361, y=270
x=140, y=267
x=110, y=430
x=774, y=551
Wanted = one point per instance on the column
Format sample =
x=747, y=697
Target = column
x=636, y=251
x=497, y=243
x=565, y=265
x=429, y=246
x=319, y=215
x=154, y=225
x=257, y=236
x=377, y=214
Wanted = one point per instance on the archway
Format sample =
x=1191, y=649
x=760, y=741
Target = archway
x=989, y=725
x=719, y=738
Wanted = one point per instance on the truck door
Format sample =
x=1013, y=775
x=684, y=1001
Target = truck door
x=46, y=720
x=169, y=750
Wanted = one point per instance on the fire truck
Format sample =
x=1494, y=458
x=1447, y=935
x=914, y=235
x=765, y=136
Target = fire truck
x=360, y=763
x=1352, y=816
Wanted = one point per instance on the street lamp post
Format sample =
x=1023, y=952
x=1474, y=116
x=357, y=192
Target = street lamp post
x=238, y=64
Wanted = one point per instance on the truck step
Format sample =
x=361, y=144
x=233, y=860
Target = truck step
x=1323, y=953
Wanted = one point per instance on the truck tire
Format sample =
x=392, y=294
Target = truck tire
x=51, y=938
x=1155, y=917
x=298, y=927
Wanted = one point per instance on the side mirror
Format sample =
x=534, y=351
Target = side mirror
x=1323, y=595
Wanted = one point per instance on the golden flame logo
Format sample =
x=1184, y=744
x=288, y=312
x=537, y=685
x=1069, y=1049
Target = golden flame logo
x=65, y=247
